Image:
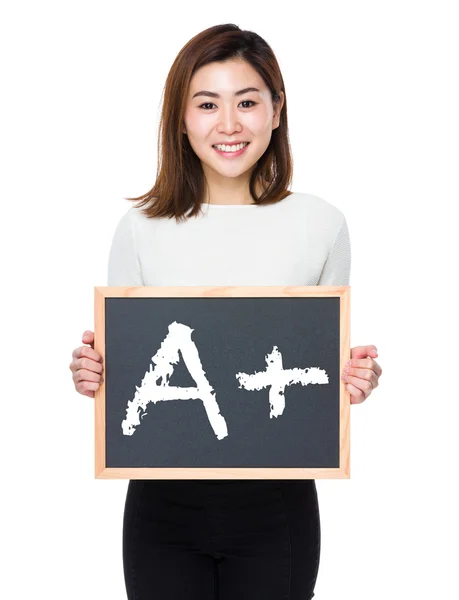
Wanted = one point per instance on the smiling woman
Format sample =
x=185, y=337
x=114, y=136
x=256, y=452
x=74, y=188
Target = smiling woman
x=224, y=159
x=202, y=160
x=224, y=143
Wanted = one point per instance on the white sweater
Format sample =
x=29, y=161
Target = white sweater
x=302, y=240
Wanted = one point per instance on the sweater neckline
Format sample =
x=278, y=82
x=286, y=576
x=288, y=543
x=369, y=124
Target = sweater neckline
x=236, y=206
x=207, y=204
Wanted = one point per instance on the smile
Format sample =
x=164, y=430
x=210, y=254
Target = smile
x=231, y=153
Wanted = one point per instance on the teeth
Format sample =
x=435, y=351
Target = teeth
x=232, y=148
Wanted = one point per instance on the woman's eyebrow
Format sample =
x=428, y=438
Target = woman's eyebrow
x=214, y=95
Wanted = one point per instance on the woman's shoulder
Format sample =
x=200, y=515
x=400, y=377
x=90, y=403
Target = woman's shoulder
x=136, y=217
x=315, y=206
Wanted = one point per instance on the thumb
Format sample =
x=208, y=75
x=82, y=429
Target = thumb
x=364, y=351
x=88, y=337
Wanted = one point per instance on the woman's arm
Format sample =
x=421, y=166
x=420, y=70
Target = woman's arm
x=362, y=372
x=337, y=267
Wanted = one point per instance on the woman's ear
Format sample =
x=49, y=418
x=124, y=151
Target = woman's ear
x=278, y=108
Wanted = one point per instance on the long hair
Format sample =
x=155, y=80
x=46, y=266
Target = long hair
x=180, y=182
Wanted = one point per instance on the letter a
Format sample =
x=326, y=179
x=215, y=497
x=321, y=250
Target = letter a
x=178, y=338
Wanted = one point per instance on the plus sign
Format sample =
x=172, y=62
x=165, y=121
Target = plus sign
x=278, y=378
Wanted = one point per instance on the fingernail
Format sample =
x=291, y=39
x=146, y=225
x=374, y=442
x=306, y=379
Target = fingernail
x=348, y=363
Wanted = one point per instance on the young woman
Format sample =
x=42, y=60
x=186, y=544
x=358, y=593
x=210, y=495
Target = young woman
x=220, y=213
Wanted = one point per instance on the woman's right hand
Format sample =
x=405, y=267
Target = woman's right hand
x=86, y=367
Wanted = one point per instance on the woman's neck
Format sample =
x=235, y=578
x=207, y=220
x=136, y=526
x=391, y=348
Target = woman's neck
x=235, y=195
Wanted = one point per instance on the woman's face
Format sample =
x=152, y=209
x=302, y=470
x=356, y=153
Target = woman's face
x=216, y=113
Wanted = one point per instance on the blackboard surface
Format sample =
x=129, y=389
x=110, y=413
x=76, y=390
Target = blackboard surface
x=232, y=335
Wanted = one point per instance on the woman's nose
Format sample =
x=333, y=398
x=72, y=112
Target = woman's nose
x=229, y=121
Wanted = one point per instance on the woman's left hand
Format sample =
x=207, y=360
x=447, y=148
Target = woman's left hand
x=361, y=373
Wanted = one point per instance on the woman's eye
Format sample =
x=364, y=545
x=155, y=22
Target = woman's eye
x=243, y=102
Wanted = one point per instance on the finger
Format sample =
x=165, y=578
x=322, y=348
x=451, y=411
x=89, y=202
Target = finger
x=364, y=351
x=368, y=374
x=84, y=386
x=363, y=385
x=357, y=396
x=364, y=363
x=371, y=350
x=368, y=363
x=85, y=352
x=88, y=338
x=377, y=369
x=88, y=365
x=85, y=375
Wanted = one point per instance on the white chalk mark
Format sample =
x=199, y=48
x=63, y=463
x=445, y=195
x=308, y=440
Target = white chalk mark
x=277, y=378
x=178, y=338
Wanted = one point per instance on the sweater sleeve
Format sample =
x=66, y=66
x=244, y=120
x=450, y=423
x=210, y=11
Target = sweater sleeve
x=123, y=262
x=337, y=267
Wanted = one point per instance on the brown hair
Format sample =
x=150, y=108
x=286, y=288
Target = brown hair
x=180, y=181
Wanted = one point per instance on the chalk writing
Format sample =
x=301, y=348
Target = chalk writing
x=179, y=338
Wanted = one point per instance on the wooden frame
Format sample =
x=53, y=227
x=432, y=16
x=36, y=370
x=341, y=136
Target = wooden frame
x=343, y=472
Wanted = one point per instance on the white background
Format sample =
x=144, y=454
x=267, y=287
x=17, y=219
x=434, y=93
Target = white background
x=372, y=91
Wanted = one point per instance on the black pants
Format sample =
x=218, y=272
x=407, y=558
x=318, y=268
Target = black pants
x=221, y=539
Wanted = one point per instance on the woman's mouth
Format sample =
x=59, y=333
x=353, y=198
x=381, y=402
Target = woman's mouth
x=231, y=151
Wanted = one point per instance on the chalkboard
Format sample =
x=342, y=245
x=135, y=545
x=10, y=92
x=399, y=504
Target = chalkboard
x=222, y=382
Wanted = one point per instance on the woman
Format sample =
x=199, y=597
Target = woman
x=220, y=214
